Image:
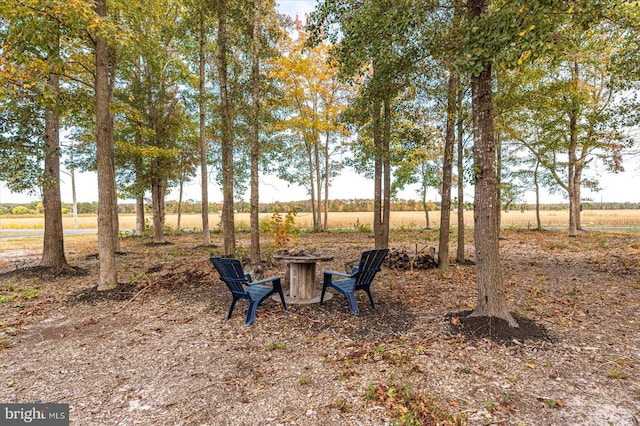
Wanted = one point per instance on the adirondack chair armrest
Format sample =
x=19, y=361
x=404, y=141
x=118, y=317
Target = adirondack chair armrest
x=266, y=280
x=340, y=274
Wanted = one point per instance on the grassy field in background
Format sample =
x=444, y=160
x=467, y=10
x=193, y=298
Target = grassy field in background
x=550, y=218
x=18, y=240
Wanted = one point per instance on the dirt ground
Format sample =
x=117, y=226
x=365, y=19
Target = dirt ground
x=159, y=352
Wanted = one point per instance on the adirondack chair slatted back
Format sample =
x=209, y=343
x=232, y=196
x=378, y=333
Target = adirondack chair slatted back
x=231, y=273
x=370, y=263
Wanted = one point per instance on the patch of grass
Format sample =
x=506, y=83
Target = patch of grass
x=464, y=370
x=362, y=227
x=272, y=346
x=8, y=298
x=30, y=293
x=342, y=404
x=304, y=379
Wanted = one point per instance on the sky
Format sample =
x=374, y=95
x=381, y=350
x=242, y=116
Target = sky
x=622, y=187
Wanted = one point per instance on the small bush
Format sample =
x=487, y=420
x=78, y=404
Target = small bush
x=19, y=210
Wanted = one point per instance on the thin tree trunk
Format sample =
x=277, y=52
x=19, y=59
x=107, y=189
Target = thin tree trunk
x=139, y=215
x=255, y=141
x=377, y=179
x=492, y=301
x=206, y=236
x=447, y=171
x=53, y=247
x=537, y=186
x=386, y=164
x=316, y=154
x=460, y=165
x=178, y=224
x=227, y=136
x=425, y=205
x=72, y=173
x=573, y=143
x=312, y=185
x=105, y=161
x=326, y=183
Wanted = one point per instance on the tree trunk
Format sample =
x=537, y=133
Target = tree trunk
x=105, y=161
x=312, y=185
x=447, y=171
x=578, y=191
x=316, y=154
x=537, y=186
x=139, y=216
x=498, y=183
x=425, y=205
x=157, y=201
x=53, y=247
x=228, y=224
x=573, y=143
x=206, y=236
x=460, y=165
x=377, y=179
x=72, y=173
x=254, y=253
x=386, y=163
x=492, y=301
x=178, y=224
x=326, y=183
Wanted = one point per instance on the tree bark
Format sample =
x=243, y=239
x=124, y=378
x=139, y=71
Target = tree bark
x=423, y=189
x=573, y=144
x=139, y=216
x=325, y=225
x=53, y=246
x=492, y=301
x=105, y=161
x=377, y=178
x=537, y=186
x=386, y=163
x=460, y=165
x=447, y=171
x=254, y=252
x=316, y=154
x=158, y=188
x=206, y=235
x=228, y=225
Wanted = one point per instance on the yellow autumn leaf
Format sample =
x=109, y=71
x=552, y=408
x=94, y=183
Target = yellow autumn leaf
x=521, y=33
x=530, y=365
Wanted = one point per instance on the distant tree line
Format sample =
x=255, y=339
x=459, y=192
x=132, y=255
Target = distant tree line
x=350, y=205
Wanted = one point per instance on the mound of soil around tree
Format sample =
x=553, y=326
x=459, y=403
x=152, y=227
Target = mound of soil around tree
x=497, y=329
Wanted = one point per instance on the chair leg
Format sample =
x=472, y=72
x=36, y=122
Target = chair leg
x=233, y=303
x=251, y=312
x=373, y=305
x=353, y=305
x=325, y=283
x=284, y=304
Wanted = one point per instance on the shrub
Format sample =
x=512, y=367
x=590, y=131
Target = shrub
x=19, y=210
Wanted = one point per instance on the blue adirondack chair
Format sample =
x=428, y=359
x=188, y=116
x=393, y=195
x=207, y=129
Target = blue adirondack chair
x=360, y=278
x=242, y=286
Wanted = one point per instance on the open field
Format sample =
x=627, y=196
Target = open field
x=526, y=219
